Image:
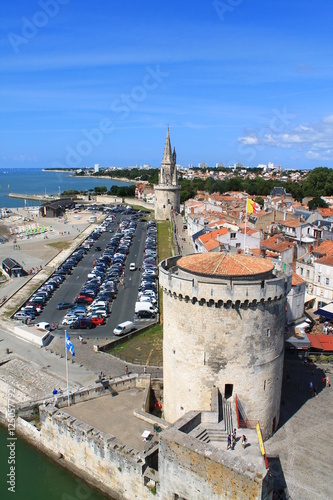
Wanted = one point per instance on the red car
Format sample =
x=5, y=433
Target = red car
x=97, y=320
x=83, y=299
x=37, y=306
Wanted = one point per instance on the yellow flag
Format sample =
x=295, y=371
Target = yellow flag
x=251, y=206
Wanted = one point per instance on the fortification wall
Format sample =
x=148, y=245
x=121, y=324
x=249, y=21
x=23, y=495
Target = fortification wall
x=118, y=468
x=196, y=470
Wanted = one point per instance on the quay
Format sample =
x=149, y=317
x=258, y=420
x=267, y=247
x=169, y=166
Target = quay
x=35, y=197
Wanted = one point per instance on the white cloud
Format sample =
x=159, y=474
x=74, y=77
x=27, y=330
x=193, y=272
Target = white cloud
x=249, y=140
x=315, y=139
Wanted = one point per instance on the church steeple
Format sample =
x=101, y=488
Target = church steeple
x=167, y=155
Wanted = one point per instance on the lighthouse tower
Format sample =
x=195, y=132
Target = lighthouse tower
x=167, y=191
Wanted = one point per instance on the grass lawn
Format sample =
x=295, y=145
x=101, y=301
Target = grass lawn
x=61, y=245
x=144, y=349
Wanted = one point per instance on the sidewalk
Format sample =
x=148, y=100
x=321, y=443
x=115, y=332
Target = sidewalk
x=181, y=236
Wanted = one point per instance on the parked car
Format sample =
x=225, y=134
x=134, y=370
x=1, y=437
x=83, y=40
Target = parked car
x=82, y=323
x=23, y=316
x=65, y=305
x=145, y=314
x=97, y=319
x=125, y=327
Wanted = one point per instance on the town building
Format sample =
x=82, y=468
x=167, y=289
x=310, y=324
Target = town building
x=56, y=208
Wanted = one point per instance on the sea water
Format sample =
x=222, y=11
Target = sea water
x=36, y=181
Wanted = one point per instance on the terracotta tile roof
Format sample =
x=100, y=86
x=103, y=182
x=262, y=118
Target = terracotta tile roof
x=325, y=212
x=297, y=280
x=211, y=245
x=249, y=230
x=219, y=222
x=217, y=264
x=213, y=234
x=325, y=248
x=290, y=223
x=326, y=261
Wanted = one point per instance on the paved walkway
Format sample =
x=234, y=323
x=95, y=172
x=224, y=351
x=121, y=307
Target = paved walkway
x=182, y=239
x=304, y=440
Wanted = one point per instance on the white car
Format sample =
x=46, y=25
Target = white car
x=132, y=266
x=98, y=312
x=69, y=320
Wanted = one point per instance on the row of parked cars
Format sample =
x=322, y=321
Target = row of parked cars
x=92, y=306
x=146, y=305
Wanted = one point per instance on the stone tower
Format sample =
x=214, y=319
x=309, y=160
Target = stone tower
x=224, y=321
x=167, y=191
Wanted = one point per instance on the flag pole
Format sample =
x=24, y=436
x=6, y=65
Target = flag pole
x=67, y=368
x=245, y=228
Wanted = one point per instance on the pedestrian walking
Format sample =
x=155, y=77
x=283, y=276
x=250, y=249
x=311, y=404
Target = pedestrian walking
x=145, y=370
x=233, y=443
x=323, y=381
x=327, y=381
x=126, y=369
x=229, y=442
x=244, y=441
x=234, y=434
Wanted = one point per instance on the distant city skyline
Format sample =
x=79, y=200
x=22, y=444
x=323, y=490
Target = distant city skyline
x=236, y=82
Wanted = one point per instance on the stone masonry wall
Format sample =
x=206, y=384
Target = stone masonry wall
x=162, y=197
x=211, y=344
x=200, y=471
x=98, y=455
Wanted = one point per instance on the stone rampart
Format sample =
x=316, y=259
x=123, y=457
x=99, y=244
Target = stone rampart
x=118, y=468
x=199, y=470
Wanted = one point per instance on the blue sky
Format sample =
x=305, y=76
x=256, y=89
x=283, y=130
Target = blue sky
x=86, y=82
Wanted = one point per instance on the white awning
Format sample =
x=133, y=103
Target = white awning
x=309, y=297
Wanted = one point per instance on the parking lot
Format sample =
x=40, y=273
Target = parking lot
x=119, y=290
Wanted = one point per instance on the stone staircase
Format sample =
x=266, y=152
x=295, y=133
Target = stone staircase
x=216, y=433
x=211, y=433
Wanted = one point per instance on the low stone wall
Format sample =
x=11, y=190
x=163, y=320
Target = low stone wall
x=30, y=409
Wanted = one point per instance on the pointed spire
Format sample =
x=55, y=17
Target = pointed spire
x=174, y=157
x=167, y=156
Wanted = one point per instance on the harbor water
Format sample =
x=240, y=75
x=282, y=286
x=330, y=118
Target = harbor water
x=32, y=181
